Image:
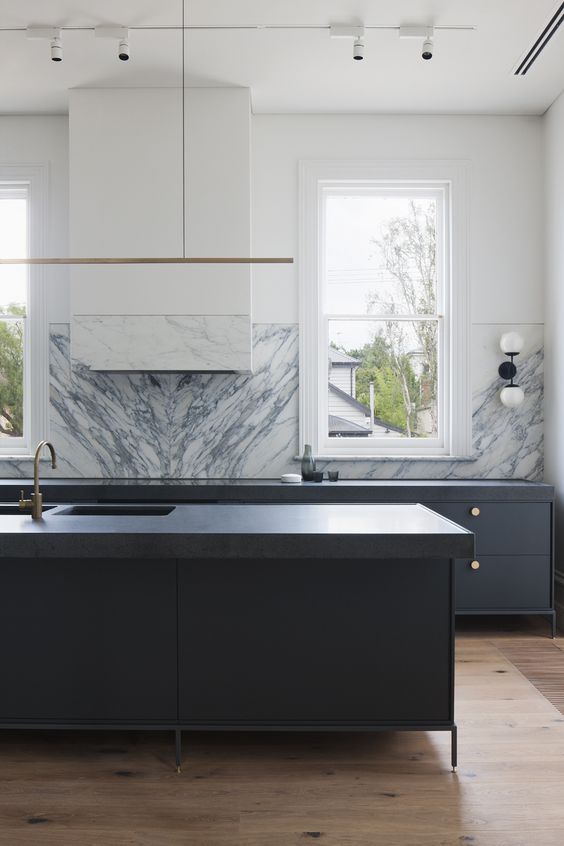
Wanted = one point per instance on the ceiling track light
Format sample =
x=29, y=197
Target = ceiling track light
x=119, y=34
x=427, y=49
x=358, y=49
x=424, y=33
x=123, y=50
x=356, y=33
x=48, y=33
x=57, y=48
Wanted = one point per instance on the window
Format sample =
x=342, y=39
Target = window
x=23, y=358
x=384, y=310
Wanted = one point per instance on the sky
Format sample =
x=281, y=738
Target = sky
x=13, y=244
x=353, y=264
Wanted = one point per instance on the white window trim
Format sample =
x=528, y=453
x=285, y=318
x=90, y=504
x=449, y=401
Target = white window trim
x=314, y=177
x=36, y=358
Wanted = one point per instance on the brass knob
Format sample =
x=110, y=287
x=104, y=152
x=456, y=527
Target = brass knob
x=475, y=565
x=475, y=511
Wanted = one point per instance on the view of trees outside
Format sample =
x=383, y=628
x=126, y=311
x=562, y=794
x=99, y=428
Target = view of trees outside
x=389, y=269
x=11, y=374
x=13, y=298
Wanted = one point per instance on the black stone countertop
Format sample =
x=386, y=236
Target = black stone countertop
x=271, y=490
x=241, y=531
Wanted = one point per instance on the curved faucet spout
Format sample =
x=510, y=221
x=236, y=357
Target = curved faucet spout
x=35, y=504
x=40, y=446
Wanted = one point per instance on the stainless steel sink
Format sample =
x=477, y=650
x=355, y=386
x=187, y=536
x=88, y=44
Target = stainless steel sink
x=116, y=511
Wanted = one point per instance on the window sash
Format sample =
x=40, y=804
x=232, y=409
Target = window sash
x=375, y=444
x=430, y=179
x=367, y=446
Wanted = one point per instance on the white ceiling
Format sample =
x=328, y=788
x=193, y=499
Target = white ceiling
x=291, y=70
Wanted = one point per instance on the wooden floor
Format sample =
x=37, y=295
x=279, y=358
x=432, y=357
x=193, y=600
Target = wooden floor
x=120, y=789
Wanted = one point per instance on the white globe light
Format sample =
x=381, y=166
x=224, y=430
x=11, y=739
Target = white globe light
x=511, y=396
x=511, y=342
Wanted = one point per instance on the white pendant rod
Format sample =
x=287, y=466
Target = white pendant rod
x=183, y=117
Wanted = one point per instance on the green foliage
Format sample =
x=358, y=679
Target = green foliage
x=408, y=248
x=11, y=372
x=377, y=366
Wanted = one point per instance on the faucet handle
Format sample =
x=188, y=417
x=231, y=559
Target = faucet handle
x=24, y=503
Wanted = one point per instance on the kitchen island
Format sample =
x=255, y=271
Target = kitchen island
x=230, y=617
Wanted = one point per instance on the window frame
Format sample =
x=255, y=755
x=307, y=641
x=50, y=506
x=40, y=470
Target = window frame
x=449, y=178
x=33, y=178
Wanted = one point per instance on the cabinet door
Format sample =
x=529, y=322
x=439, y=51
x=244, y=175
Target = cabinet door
x=503, y=583
x=88, y=640
x=315, y=641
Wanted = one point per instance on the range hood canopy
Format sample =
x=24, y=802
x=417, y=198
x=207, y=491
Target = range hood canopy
x=183, y=259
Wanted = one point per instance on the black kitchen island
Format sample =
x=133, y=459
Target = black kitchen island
x=230, y=617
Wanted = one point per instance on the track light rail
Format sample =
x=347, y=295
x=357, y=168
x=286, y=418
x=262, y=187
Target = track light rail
x=152, y=260
x=248, y=27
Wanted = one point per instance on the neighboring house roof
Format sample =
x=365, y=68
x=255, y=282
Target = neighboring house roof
x=340, y=426
x=354, y=403
x=338, y=357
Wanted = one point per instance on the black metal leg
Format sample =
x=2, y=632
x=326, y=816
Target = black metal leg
x=178, y=738
x=553, y=619
x=454, y=747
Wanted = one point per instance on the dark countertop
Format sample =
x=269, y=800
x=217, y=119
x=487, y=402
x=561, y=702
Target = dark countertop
x=241, y=531
x=272, y=490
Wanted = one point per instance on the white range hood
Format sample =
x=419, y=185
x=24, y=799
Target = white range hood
x=132, y=187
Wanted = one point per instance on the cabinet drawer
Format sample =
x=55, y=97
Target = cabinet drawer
x=503, y=582
x=503, y=528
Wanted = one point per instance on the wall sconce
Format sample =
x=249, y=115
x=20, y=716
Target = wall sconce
x=511, y=344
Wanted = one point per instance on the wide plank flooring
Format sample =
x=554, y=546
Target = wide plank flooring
x=393, y=789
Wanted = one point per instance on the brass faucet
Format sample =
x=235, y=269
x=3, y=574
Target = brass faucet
x=35, y=504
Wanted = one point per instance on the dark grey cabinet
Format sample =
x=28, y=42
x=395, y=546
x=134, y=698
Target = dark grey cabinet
x=503, y=528
x=88, y=641
x=314, y=642
x=500, y=582
x=219, y=644
x=513, y=570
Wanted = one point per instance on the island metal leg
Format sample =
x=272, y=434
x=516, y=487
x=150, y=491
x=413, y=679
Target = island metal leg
x=178, y=744
x=454, y=747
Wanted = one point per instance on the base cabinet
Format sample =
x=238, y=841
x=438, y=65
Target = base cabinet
x=501, y=582
x=223, y=644
x=513, y=572
x=88, y=641
x=315, y=642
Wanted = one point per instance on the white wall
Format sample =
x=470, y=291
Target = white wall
x=506, y=198
x=554, y=342
x=505, y=153
x=44, y=140
x=505, y=245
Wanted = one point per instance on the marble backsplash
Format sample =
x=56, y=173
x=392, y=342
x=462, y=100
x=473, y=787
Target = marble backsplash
x=146, y=425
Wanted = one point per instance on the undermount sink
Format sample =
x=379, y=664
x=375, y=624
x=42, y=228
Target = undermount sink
x=14, y=510
x=116, y=510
